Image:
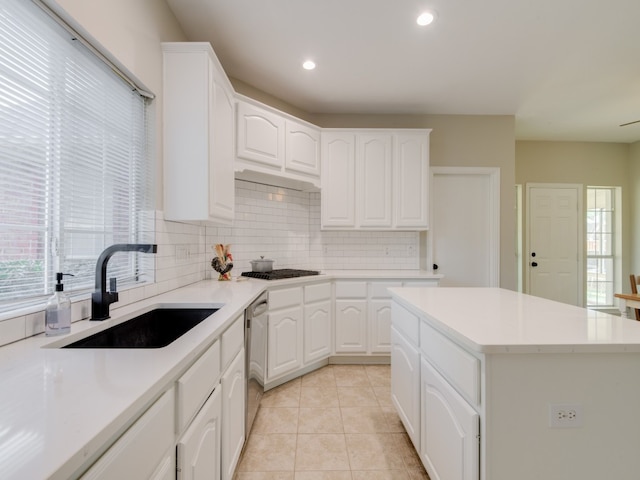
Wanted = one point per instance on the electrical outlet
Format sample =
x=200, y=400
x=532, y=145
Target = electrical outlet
x=386, y=251
x=411, y=249
x=565, y=415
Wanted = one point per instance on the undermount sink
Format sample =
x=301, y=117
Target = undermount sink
x=154, y=329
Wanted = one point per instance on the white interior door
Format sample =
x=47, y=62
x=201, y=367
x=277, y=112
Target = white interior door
x=554, y=246
x=464, y=240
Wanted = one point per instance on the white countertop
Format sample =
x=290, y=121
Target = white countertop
x=58, y=407
x=492, y=320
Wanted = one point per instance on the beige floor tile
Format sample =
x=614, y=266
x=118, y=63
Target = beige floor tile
x=336, y=475
x=320, y=378
x=350, y=376
x=393, y=420
x=357, y=397
x=276, y=420
x=418, y=474
x=379, y=375
x=269, y=453
x=374, y=451
x=264, y=476
x=383, y=395
x=380, y=475
x=321, y=452
x=287, y=395
x=320, y=420
x=364, y=420
x=326, y=396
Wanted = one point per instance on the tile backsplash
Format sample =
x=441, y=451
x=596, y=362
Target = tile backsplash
x=278, y=223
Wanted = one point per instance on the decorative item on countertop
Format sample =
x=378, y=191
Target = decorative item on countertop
x=223, y=261
x=57, y=313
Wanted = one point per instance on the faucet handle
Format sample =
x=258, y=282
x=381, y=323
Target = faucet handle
x=113, y=286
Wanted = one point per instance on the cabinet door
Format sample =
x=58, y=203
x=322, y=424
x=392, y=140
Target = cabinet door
x=373, y=184
x=302, y=148
x=167, y=468
x=411, y=189
x=317, y=331
x=221, y=176
x=450, y=429
x=405, y=384
x=351, y=326
x=380, y=325
x=141, y=450
x=284, y=341
x=198, y=451
x=338, y=180
x=261, y=135
x=233, y=410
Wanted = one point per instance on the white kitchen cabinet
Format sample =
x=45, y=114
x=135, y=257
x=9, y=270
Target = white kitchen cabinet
x=233, y=405
x=198, y=451
x=351, y=326
x=375, y=179
x=274, y=143
x=149, y=438
x=338, y=174
x=411, y=180
x=379, y=313
x=167, y=468
x=302, y=148
x=198, y=135
x=284, y=334
x=261, y=135
x=317, y=322
x=405, y=383
x=450, y=429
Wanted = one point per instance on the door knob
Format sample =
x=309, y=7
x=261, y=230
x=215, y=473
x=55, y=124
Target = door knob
x=533, y=254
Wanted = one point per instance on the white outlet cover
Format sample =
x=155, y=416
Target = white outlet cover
x=565, y=415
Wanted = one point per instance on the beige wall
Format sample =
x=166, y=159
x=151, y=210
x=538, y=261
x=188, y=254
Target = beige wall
x=585, y=163
x=132, y=32
x=634, y=208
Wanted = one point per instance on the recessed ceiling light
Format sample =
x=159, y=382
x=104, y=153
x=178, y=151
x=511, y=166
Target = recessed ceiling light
x=425, y=18
x=309, y=65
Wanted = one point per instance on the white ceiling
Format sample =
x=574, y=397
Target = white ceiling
x=567, y=69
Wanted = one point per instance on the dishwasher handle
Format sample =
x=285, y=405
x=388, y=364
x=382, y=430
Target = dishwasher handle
x=258, y=309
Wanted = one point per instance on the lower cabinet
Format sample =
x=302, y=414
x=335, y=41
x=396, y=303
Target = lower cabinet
x=150, y=438
x=351, y=326
x=233, y=405
x=405, y=384
x=449, y=438
x=198, y=450
x=317, y=331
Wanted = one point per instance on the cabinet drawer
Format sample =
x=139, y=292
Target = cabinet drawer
x=232, y=341
x=459, y=367
x=196, y=384
x=286, y=297
x=351, y=289
x=315, y=293
x=379, y=289
x=405, y=322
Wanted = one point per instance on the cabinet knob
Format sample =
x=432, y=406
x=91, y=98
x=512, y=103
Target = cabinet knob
x=534, y=264
x=435, y=266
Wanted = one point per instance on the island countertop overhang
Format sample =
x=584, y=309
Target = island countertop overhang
x=494, y=320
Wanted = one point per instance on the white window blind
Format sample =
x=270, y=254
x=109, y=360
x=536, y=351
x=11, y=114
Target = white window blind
x=75, y=168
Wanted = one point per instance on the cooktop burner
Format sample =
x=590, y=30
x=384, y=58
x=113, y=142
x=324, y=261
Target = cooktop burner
x=280, y=274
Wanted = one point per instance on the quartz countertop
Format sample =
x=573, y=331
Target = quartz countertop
x=59, y=408
x=493, y=320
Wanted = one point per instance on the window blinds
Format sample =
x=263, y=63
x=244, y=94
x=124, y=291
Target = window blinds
x=75, y=169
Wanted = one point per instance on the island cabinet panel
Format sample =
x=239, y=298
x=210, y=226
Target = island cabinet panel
x=233, y=405
x=450, y=429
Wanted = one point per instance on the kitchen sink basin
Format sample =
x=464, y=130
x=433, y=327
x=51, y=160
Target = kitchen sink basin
x=154, y=329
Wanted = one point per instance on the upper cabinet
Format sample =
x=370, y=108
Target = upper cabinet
x=198, y=135
x=375, y=179
x=274, y=143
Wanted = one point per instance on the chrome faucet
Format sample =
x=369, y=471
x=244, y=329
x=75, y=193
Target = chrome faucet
x=101, y=299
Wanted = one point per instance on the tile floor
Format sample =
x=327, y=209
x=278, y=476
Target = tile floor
x=336, y=423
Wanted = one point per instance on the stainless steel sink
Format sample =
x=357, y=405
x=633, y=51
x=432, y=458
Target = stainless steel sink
x=154, y=329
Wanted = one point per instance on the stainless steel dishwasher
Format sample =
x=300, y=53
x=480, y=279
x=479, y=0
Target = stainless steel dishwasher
x=255, y=344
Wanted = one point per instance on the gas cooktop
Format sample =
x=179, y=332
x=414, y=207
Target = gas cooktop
x=280, y=274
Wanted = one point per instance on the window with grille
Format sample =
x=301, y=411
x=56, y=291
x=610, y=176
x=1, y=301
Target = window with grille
x=75, y=164
x=601, y=241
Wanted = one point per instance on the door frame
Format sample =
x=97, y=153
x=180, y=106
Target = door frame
x=493, y=174
x=580, y=195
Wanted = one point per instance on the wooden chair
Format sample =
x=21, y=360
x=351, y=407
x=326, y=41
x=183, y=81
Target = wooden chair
x=635, y=281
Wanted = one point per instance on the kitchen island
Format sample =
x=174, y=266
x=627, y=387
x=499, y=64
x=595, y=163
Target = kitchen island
x=496, y=385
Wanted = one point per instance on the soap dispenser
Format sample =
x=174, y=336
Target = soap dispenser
x=57, y=314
